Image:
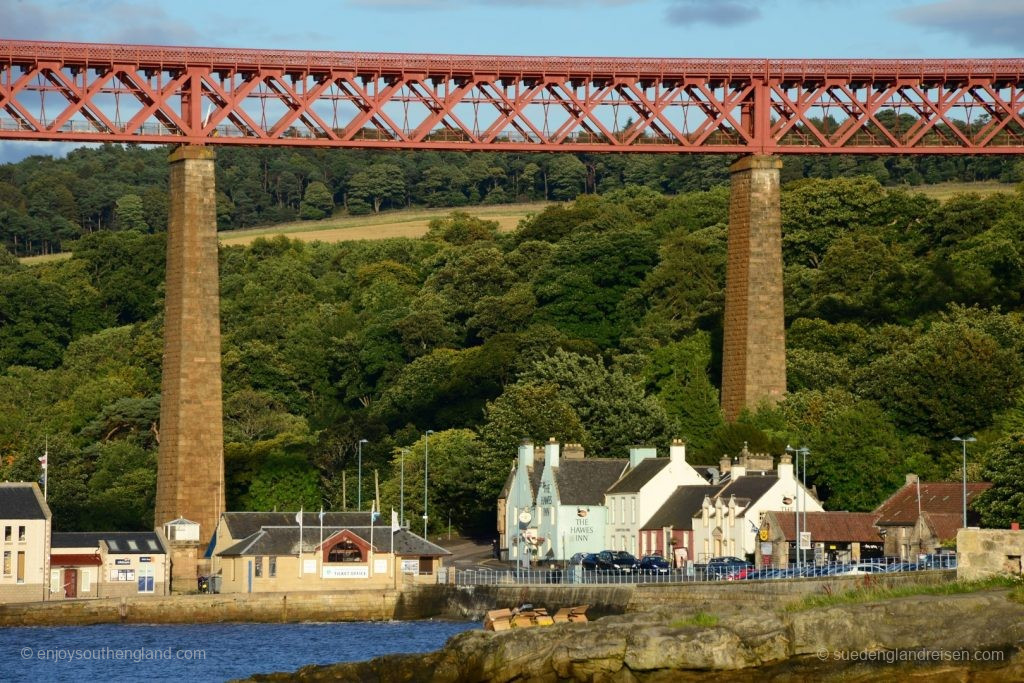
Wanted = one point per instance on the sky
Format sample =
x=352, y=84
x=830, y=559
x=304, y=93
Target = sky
x=654, y=28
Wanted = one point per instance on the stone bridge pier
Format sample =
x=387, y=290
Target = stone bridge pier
x=190, y=463
x=754, y=346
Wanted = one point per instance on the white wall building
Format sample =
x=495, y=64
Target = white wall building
x=641, y=491
x=569, y=516
x=727, y=523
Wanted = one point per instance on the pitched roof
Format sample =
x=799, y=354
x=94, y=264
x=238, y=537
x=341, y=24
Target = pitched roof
x=635, y=478
x=677, y=512
x=242, y=524
x=750, y=487
x=536, y=471
x=118, y=542
x=900, y=509
x=584, y=482
x=21, y=500
x=945, y=525
x=284, y=540
x=844, y=527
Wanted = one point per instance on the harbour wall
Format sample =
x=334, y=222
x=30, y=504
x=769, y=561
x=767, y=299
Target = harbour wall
x=438, y=601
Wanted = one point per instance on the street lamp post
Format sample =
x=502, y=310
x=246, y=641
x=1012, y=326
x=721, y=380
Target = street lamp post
x=401, y=490
x=796, y=501
x=359, y=483
x=964, y=441
x=803, y=490
x=426, y=477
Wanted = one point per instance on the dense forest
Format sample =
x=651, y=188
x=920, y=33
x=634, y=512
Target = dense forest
x=598, y=321
x=45, y=203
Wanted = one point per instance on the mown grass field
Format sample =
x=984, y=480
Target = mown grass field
x=402, y=223
x=413, y=222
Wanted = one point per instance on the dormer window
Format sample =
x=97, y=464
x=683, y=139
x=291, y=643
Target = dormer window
x=345, y=551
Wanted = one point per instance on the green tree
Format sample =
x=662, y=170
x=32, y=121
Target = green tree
x=130, y=213
x=317, y=202
x=377, y=185
x=1004, y=502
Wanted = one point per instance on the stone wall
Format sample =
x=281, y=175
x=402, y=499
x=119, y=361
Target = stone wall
x=446, y=601
x=982, y=553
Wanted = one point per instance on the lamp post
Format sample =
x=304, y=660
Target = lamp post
x=796, y=500
x=803, y=490
x=359, y=492
x=964, y=441
x=426, y=477
x=401, y=490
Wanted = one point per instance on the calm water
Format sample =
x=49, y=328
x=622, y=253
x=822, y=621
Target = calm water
x=205, y=652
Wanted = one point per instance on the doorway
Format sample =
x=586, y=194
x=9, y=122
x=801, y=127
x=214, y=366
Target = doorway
x=70, y=583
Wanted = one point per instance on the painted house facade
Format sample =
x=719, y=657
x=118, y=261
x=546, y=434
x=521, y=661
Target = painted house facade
x=25, y=525
x=669, y=531
x=569, y=515
x=108, y=564
x=641, y=491
x=843, y=537
x=728, y=523
x=518, y=496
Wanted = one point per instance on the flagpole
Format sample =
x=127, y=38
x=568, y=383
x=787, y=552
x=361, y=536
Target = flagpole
x=300, y=542
x=320, y=548
x=46, y=468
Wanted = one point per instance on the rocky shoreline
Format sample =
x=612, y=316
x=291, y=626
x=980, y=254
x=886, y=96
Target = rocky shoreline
x=920, y=637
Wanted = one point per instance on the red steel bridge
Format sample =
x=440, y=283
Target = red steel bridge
x=200, y=96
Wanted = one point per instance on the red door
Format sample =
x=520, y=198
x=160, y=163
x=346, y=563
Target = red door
x=70, y=583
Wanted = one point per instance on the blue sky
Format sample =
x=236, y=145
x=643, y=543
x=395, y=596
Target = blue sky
x=661, y=28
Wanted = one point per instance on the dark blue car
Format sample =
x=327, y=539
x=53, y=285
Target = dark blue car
x=654, y=564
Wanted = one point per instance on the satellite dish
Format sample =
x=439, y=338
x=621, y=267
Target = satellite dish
x=524, y=517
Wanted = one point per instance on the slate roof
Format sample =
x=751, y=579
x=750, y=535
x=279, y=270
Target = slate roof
x=18, y=500
x=678, y=511
x=843, y=527
x=242, y=524
x=900, y=509
x=536, y=472
x=284, y=540
x=119, y=542
x=635, y=479
x=749, y=486
x=584, y=482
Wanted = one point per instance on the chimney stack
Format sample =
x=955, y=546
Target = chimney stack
x=677, y=451
x=786, y=466
x=638, y=454
x=525, y=454
x=911, y=479
x=551, y=453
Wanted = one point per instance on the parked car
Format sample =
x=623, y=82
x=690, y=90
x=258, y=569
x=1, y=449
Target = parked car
x=725, y=567
x=586, y=560
x=867, y=568
x=938, y=561
x=654, y=564
x=617, y=561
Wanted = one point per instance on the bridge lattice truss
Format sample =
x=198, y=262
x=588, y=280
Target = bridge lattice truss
x=119, y=93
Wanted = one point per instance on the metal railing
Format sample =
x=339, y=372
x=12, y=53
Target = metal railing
x=575, y=575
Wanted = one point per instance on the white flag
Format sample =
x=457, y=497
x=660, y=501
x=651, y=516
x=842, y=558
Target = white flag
x=395, y=526
x=298, y=517
x=42, y=461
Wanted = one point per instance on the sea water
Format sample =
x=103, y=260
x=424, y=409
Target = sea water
x=205, y=652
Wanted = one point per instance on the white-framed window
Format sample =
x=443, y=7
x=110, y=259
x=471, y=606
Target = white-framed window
x=273, y=566
x=622, y=509
x=632, y=510
x=86, y=580
x=611, y=511
x=8, y=531
x=21, y=534
x=258, y=568
x=146, y=583
x=8, y=566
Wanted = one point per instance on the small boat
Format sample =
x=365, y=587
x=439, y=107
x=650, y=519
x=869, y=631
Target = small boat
x=527, y=616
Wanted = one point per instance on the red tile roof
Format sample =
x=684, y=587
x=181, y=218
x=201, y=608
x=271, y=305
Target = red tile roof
x=844, y=527
x=946, y=497
x=943, y=524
